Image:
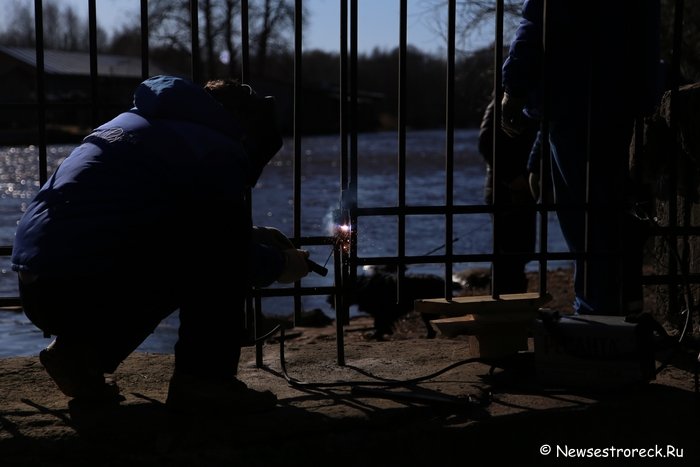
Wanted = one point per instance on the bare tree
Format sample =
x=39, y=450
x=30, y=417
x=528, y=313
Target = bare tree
x=206, y=7
x=170, y=28
x=169, y=23
x=52, y=26
x=271, y=23
x=272, y=20
x=19, y=26
x=231, y=9
x=475, y=20
x=73, y=30
x=63, y=27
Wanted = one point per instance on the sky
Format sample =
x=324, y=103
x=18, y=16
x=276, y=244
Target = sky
x=378, y=22
x=378, y=25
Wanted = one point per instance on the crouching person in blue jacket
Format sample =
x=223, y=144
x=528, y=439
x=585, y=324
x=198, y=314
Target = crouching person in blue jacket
x=148, y=216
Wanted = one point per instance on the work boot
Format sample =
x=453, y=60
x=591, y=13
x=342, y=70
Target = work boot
x=77, y=374
x=194, y=394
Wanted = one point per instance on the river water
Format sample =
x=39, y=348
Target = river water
x=320, y=196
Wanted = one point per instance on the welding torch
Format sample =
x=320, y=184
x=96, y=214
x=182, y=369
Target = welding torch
x=317, y=268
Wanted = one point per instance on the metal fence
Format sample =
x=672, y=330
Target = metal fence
x=346, y=258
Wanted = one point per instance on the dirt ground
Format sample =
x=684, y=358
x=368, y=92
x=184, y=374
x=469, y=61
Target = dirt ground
x=401, y=402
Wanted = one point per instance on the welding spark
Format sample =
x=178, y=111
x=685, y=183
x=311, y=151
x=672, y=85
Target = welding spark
x=342, y=236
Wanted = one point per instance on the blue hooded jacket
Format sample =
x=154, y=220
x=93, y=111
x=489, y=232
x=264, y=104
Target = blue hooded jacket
x=606, y=49
x=159, y=186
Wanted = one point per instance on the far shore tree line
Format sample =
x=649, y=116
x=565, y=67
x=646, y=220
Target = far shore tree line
x=271, y=41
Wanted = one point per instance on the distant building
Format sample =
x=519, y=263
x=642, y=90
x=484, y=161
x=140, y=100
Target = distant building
x=67, y=89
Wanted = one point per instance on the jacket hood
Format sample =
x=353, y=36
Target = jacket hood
x=173, y=98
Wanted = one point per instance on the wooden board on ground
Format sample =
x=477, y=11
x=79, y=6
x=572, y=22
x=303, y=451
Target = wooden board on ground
x=481, y=304
x=496, y=326
x=476, y=324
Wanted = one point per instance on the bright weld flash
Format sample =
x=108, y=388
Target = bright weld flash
x=342, y=233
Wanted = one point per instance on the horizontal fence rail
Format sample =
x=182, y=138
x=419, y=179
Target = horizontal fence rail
x=346, y=261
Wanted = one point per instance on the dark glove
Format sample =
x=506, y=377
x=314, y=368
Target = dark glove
x=295, y=260
x=295, y=267
x=512, y=118
x=272, y=237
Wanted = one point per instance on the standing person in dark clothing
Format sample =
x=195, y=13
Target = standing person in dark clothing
x=515, y=225
x=602, y=71
x=147, y=216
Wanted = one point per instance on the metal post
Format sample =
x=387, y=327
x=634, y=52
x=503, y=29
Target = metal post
x=449, y=155
x=545, y=184
x=403, y=32
x=245, y=43
x=298, y=100
x=92, y=27
x=673, y=172
x=144, y=40
x=40, y=89
x=498, y=97
x=194, y=28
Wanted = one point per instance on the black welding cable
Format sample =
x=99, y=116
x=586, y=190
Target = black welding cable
x=391, y=383
x=269, y=334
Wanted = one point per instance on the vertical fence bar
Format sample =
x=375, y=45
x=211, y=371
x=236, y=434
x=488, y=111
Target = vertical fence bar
x=343, y=78
x=40, y=88
x=254, y=314
x=144, y=40
x=94, y=92
x=350, y=200
x=449, y=154
x=673, y=171
x=194, y=29
x=341, y=308
x=590, y=137
x=545, y=177
x=403, y=33
x=353, y=140
x=544, y=206
x=245, y=45
x=298, y=110
x=498, y=97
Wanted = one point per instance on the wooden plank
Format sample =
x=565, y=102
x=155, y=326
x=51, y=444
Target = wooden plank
x=500, y=323
x=479, y=304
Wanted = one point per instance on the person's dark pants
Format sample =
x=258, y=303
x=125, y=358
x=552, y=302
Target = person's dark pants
x=608, y=280
x=515, y=232
x=113, y=314
x=212, y=327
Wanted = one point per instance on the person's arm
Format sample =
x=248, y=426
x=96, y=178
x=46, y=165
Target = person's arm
x=523, y=65
x=275, y=258
x=486, y=134
x=522, y=69
x=267, y=264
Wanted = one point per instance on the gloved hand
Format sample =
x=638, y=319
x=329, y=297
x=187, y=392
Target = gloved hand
x=295, y=267
x=272, y=237
x=512, y=118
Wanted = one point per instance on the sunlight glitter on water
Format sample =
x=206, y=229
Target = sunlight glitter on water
x=320, y=198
